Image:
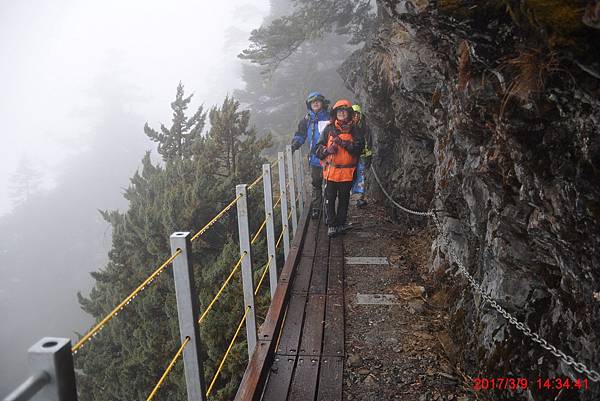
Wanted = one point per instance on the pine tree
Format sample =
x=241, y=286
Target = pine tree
x=276, y=41
x=231, y=143
x=185, y=135
x=127, y=357
x=278, y=101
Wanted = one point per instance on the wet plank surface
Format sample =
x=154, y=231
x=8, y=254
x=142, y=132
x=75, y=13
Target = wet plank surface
x=330, y=379
x=309, y=360
x=292, y=326
x=312, y=331
x=303, y=274
x=306, y=376
x=280, y=378
x=333, y=334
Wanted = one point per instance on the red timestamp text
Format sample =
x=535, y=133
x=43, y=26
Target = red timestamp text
x=522, y=383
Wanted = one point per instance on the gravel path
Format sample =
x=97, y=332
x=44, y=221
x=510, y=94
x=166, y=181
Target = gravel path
x=400, y=351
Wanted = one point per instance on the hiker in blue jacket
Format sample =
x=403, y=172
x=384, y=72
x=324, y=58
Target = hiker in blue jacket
x=309, y=130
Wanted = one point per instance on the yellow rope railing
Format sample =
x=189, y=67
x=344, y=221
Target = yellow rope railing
x=255, y=182
x=262, y=227
x=237, y=332
x=258, y=286
x=263, y=275
x=168, y=370
x=278, y=202
x=123, y=303
x=218, y=295
x=280, y=238
x=216, y=218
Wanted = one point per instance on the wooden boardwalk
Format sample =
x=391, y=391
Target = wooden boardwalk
x=302, y=354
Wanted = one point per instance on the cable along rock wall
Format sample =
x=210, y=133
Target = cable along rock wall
x=477, y=113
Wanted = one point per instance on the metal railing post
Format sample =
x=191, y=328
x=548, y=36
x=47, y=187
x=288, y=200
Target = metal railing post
x=268, y=190
x=247, y=279
x=188, y=312
x=284, y=208
x=291, y=180
x=297, y=158
x=302, y=179
x=53, y=373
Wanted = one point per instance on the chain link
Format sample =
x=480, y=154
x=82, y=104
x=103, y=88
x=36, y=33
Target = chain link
x=399, y=206
x=568, y=359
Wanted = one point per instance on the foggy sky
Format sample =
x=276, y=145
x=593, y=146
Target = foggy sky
x=78, y=80
x=52, y=53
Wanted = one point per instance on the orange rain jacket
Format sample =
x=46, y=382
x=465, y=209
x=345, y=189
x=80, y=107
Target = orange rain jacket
x=341, y=165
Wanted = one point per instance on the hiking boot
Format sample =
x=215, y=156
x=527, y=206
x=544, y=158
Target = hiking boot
x=314, y=214
x=343, y=228
x=332, y=231
x=361, y=203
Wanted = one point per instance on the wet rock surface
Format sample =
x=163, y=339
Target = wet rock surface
x=470, y=118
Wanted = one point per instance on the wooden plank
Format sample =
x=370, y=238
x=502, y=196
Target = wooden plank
x=258, y=367
x=280, y=377
x=302, y=276
x=322, y=241
x=331, y=379
x=304, y=383
x=333, y=332
x=335, y=276
x=271, y=325
x=318, y=281
x=336, y=247
x=292, y=327
x=309, y=246
x=312, y=330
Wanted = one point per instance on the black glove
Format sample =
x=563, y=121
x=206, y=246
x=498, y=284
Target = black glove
x=295, y=145
x=331, y=149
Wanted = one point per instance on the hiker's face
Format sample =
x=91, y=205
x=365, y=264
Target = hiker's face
x=316, y=105
x=342, y=115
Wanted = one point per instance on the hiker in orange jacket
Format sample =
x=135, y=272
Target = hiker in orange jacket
x=339, y=148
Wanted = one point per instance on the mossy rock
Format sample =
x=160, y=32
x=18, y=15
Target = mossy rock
x=561, y=20
x=553, y=24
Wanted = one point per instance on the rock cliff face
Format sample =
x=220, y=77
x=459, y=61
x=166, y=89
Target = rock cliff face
x=491, y=113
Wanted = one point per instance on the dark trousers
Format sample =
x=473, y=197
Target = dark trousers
x=316, y=175
x=341, y=192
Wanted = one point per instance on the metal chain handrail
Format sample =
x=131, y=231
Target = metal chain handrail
x=399, y=206
x=522, y=327
x=168, y=370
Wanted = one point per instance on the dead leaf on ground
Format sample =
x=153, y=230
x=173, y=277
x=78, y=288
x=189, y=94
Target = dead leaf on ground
x=410, y=291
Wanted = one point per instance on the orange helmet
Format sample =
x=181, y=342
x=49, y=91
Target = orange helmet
x=342, y=104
